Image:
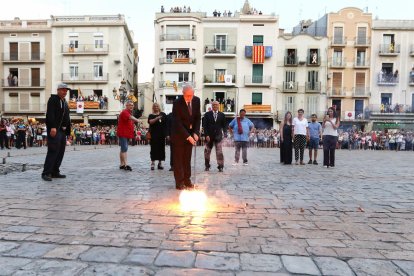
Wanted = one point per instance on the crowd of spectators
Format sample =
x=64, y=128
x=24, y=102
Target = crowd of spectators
x=102, y=100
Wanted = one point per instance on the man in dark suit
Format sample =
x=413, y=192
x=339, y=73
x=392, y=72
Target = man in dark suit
x=214, y=124
x=185, y=132
x=58, y=127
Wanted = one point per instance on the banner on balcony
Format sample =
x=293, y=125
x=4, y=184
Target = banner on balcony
x=349, y=115
x=258, y=54
x=228, y=79
x=80, y=107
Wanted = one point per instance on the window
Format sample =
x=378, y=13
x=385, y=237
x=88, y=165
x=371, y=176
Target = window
x=359, y=109
x=257, y=73
x=337, y=83
x=258, y=40
x=361, y=58
x=313, y=80
x=337, y=58
x=313, y=56
x=98, y=70
x=73, y=69
x=73, y=44
x=289, y=103
x=221, y=43
x=257, y=98
x=338, y=35
x=183, y=76
x=219, y=75
x=176, y=32
x=172, y=54
x=362, y=36
x=98, y=43
x=291, y=58
x=290, y=76
x=312, y=103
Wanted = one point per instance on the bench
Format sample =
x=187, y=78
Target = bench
x=260, y=108
x=87, y=105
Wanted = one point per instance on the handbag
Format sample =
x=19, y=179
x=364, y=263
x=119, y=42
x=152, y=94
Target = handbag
x=148, y=135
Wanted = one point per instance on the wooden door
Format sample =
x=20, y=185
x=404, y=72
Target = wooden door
x=35, y=76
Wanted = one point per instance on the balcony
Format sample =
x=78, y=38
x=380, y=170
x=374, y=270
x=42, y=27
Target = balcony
x=257, y=80
x=23, y=84
x=337, y=92
x=165, y=37
x=88, y=106
x=337, y=63
x=177, y=60
x=361, y=92
x=85, y=49
x=362, y=64
x=212, y=51
x=313, y=60
x=385, y=79
x=174, y=85
x=24, y=108
x=390, y=109
x=389, y=49
x=362, y=41
x=313, y=87
x=291, y=61
x=84, y=78
x=338, y=41
x=220, y=80
x=24, y=57
x=290, y=86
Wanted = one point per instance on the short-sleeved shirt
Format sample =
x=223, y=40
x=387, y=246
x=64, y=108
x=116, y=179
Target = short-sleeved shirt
x=300, y=126
x=314, y=129
x=125, y=125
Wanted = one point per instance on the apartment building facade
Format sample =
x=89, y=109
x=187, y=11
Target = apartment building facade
x=392, y=76
x=25, y=66
x=95, y=55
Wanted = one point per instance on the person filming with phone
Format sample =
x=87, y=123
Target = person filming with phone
x=330, y=137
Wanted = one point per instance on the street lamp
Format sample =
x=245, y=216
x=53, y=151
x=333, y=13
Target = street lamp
x=122, y=97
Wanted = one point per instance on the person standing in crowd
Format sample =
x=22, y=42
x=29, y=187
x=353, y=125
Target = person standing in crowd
x=329, y=137
x=315, y=133
x=158, y=128
x=185, y=132
x=241, y=127
x=4, y=141
x=125, y=131
x=300, y=135
x=286, y=139
x=58, y=127
x=214, y=125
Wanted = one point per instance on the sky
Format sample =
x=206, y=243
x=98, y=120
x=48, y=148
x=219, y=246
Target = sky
x=140, y=14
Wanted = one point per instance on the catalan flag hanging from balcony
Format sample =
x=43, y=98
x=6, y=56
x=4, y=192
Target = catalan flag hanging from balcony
x=258, y=54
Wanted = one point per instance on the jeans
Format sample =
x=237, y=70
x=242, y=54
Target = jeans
x=219, y=153
x=240, y=145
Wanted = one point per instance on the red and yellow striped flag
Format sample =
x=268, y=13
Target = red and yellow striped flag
x=258, y=54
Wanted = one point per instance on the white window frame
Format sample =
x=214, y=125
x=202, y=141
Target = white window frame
x=220, y=47
x=98, y=70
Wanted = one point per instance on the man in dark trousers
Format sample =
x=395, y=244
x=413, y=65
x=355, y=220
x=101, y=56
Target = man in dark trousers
x=58, y=127
x=214, y=124
x=169, y=126
x=185, y=133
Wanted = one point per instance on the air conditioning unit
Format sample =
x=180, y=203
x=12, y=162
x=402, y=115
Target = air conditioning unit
x=301, y=62
x=117, y=61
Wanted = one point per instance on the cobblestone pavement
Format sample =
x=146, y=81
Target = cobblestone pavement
x=261, y=219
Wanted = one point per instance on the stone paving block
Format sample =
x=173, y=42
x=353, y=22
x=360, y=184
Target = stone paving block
x=373, y=267
x=141, y=256
x=255, y=273
x=30, y=250
x=104, y=254
x=145, y=243
x=11, y=236
x=192, y=272
x=406, y=266
x=321, y=251
x=300, y=265
x=243, y=247
x=45, y=238
x=116, y=269
x=210, y=246
x=46, y=267
x=326, y=242
x=333, y=266
x=398, y=255
x=358, y=253
x=66, y=252
x=218, y=261
x=6, y=246
x=175, y=258
x=9, y=265
x=177, y=245
x=260, y=262
x=22, y=229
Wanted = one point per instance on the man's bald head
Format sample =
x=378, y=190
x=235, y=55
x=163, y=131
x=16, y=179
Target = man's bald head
x=188, y=92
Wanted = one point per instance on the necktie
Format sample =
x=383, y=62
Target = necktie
x=189, y=108
x=215, y=116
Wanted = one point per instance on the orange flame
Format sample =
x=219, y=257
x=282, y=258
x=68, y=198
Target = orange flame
x=193, y=201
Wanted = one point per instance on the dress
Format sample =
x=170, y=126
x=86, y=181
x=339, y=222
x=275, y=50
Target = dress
x=158, y=132
x=286, y=146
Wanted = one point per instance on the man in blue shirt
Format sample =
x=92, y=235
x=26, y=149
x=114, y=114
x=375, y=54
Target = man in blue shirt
x=241, y=128
x=315, y=133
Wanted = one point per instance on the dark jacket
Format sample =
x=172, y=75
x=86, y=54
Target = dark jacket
x=214, y=129
x=57, y=114
x=184, y=125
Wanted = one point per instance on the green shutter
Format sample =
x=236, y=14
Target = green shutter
x=256, y=98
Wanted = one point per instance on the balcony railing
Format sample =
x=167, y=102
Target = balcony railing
x=362, y=41
x=177, y=60
x=220, y=79
x=388, y=108
x=385, y=79
x=290, y=86
x=23, y=83
x=24, y=108
x=313, y=86
x=177, y=37
x=338, y=63
x=291, y=61
x=338, y=41
x=361, y=91
x=212, y=50
x=85, y=49
x=362, y=63
x=257, y=80
x=313, y=60
x=173, y=84
x=337, y=92
x=24, y=57
x=84, y=77
x=389, y=49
